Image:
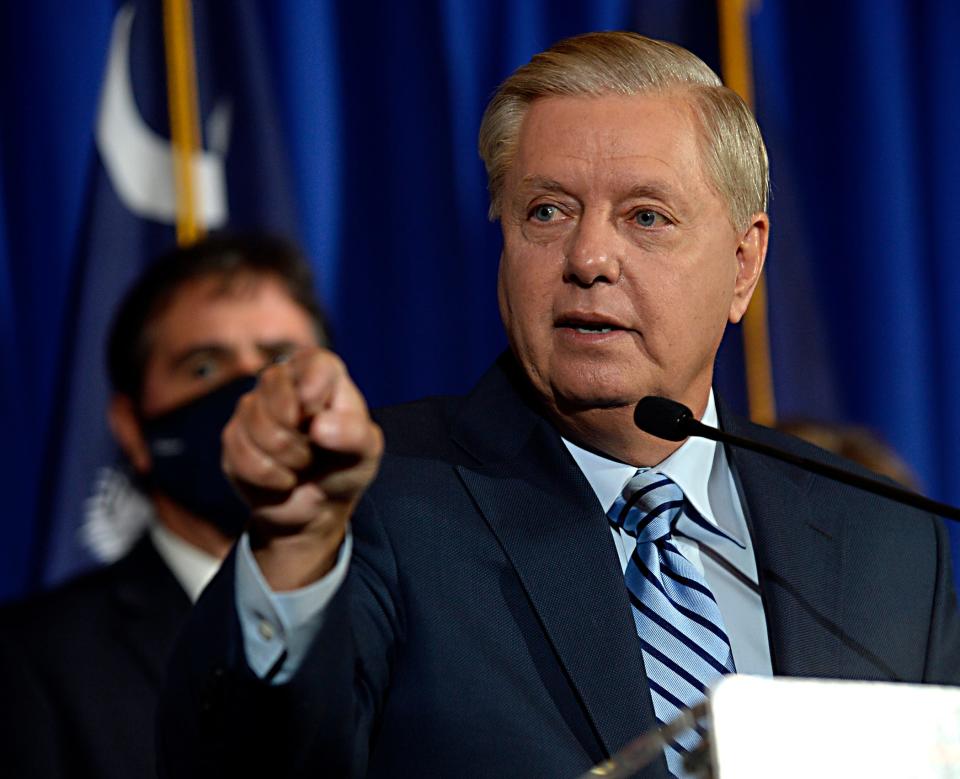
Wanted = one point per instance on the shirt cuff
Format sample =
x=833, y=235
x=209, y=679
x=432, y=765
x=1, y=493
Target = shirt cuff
x=277, y=627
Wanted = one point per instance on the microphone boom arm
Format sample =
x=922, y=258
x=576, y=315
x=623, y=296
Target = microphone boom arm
x=877, y=487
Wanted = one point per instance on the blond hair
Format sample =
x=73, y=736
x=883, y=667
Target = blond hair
x=625, y=63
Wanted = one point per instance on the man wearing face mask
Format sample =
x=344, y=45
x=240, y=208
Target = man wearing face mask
x=82, y=665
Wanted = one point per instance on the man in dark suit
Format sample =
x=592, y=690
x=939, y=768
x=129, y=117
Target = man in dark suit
x=83, y=664
x=510, y=595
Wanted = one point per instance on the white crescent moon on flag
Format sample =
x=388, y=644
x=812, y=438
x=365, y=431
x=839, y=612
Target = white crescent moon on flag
x=138, y=161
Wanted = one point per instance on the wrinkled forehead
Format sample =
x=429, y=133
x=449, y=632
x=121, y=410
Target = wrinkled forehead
x=720, y=163
x=611, y=136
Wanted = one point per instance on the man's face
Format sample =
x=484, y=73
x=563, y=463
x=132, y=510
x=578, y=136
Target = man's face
x=215, y=331
x=620, y=265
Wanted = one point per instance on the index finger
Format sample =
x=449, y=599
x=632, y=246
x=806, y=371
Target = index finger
x=317, y=374
x=334, y=412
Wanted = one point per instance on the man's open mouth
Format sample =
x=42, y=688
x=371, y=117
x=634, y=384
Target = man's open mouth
x=587, y=327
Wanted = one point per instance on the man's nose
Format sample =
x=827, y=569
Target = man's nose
x=593, y=253
x=250, y=362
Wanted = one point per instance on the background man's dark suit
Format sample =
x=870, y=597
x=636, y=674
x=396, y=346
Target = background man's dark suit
x=80, y=666
x=484, y=628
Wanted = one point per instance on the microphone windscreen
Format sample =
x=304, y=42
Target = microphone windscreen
x=663, y=418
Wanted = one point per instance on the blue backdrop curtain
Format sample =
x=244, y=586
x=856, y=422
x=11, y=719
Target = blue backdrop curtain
x=859, y=104
x=353, y=126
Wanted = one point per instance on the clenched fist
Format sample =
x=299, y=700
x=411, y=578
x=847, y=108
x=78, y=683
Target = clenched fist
x=301, y=448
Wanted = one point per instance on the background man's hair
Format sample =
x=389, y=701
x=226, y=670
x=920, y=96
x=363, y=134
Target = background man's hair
x=625, y=63
x=856, y=443
x=224, y=256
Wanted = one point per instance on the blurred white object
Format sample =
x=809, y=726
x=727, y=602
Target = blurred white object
x=115, y=515
x=806, y=728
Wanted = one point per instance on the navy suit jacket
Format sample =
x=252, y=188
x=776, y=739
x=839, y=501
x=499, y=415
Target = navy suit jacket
x=81, y=669
x=484, y=628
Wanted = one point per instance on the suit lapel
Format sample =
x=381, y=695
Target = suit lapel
x=798, y=551
x=542, y=510
x=150, y=606
x=540, y=507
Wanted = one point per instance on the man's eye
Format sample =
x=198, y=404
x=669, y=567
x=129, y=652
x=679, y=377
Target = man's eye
x=544, y=213
x=648, y=218
x=204, y=369
x=281, y=356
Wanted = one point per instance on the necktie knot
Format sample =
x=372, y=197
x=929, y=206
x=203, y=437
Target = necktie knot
x=648, y=507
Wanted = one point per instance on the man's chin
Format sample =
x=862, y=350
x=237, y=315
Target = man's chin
x=592, y=399
x=572, y=389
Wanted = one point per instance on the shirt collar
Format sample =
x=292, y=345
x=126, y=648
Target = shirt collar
x=690, y=467
x=192, y=567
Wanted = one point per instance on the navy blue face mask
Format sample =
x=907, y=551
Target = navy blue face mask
x=185, y=454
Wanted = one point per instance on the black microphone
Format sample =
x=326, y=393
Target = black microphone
x=672, y=421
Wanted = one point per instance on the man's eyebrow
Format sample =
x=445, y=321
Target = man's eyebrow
x=655, y=188
x=541, y=183
x=658, y=188
x=279, y=343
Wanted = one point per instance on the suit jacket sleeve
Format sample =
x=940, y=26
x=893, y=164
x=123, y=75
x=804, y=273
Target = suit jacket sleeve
x=943, y=656
x=218, y=718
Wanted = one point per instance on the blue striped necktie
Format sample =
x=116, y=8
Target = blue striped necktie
x=685, y=646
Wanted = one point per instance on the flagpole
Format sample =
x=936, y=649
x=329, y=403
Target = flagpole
x=735, y=59
x=184, y=115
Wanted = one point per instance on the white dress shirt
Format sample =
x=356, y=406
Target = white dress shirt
x=268, y=616
x=191, y=566
x=277, y=627
x=699, y=467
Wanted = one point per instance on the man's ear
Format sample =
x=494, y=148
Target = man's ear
x=751, y=253
x=126, y=429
